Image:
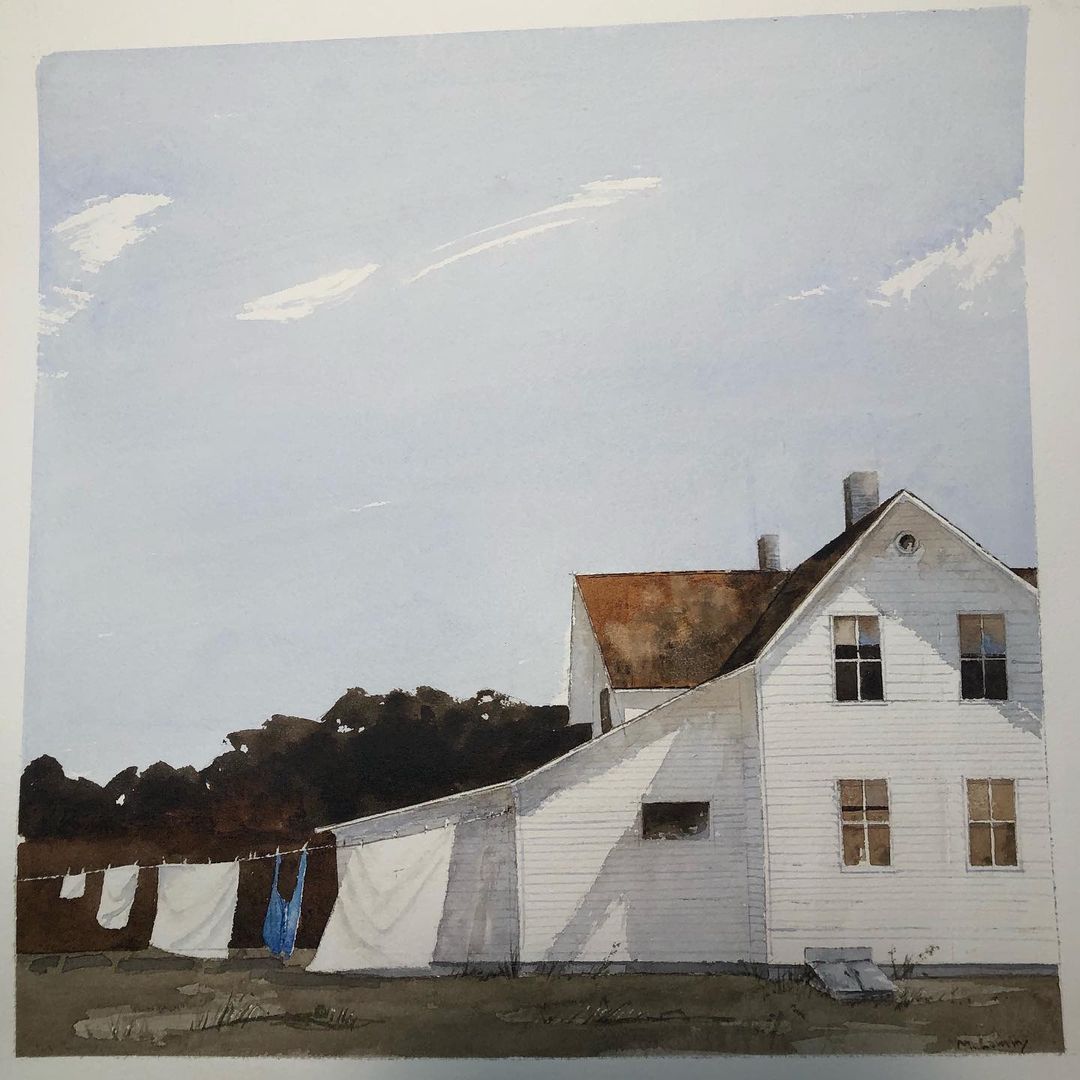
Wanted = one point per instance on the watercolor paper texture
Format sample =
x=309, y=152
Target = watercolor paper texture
x=570, y=491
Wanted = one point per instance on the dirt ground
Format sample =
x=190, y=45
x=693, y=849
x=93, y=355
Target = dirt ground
x=141, y=1003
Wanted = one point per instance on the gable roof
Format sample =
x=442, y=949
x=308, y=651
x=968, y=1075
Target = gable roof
x=810, y=573
x=680, y=629
x=800, y=583
x=673, y=630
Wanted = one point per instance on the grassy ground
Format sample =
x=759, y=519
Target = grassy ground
x=98, y=1005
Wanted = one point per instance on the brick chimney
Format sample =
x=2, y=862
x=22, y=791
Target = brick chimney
x=768, y=552
x=860, y=496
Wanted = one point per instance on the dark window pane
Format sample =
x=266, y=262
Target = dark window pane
x=869, y=633
x=871, y=688
x=978, y=798
x=847, y=652
x=877, y=794
x=971, y=679
x=997, y=688
x=993, y=635
x=1005, y=845
x=605, y=710
x=879, y=845
x=970, y=635
x=869, y=652
x=877, y=802
x=847, y=687
x=674, y=820
x=1003, y=800
x=851, y=794
x=854, y=852
x=979, y=845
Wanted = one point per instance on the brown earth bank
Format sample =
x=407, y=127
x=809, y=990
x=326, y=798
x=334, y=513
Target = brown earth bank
x=149, y=1003
x=47, y=924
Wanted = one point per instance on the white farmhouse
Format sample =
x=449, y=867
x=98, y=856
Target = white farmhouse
x=849, y=755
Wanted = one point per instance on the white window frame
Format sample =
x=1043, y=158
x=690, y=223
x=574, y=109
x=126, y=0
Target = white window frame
x=864, y=867
x=995, y=868
x=884, y=699
x=960, y=661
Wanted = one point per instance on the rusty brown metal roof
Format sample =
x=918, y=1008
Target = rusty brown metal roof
x=673, y=629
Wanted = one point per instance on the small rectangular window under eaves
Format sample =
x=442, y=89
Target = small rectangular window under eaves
x=674, y=820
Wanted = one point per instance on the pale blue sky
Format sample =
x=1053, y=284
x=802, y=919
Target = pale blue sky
x=677, y=365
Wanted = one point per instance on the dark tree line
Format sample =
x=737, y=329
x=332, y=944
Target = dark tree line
x=369, y=753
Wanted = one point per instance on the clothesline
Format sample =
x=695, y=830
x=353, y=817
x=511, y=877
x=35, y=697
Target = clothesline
x=270, y=854
x=183, y=862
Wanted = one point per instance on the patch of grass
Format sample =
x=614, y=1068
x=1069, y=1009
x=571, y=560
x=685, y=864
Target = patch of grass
x=327, y=1017
x=236, y=1009
x=905, y=968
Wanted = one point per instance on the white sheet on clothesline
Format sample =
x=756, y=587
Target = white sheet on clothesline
x=195, y=908
x=389, y=905
x=118, y=887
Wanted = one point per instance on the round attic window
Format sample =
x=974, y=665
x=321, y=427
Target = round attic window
x=907, y=543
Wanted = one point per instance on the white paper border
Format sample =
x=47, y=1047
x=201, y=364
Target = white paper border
x=30, y=30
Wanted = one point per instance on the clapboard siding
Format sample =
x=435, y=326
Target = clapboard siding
x=588, y=675
x=924, y=740
x=592, y=889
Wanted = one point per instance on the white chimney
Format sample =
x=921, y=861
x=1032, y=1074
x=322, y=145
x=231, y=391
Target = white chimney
x=860, y=496
x=768, y=552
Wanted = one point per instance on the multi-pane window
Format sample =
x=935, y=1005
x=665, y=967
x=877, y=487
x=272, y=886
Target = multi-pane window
x=864, y=822
x=857, y=658
x=674, y=820
x=982, y=657
x=991, y=822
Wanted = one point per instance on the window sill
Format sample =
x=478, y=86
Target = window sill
x=873, y=701
x=869, y=869
x=995, y=869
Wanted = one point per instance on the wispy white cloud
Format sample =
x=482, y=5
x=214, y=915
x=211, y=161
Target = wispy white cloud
x=53, y=374
x=300, y=301
x=970, y=261
x=821, y=290
x=596, y=193
x=368, y=506
x=106, y=226
x=66, y=304
x=487, y=245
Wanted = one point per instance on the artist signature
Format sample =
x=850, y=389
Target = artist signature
x=991, y=1042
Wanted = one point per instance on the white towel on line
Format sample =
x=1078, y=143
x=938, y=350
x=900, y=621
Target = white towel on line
x=195, y=908
x=73, y=886
x=118, y=887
